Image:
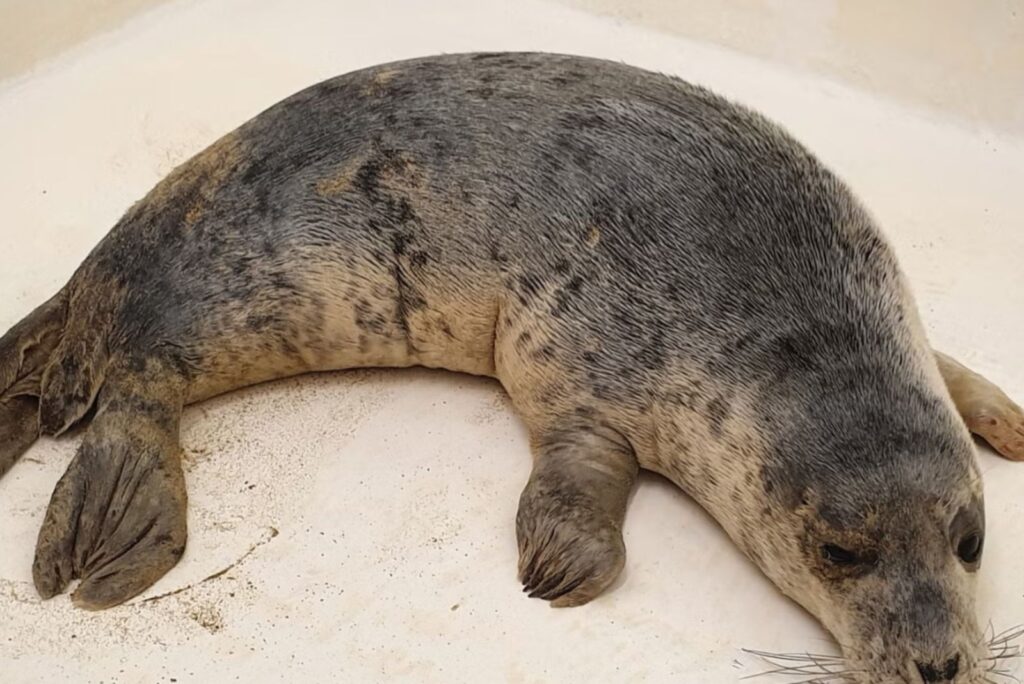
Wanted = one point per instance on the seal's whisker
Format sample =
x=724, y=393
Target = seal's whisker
x=1006, y=651
x=824, y=669
x=1000, y=672
x=781, y=666
x=828, y=679
x=805, y=670
x=1006, y=636
x=1014, y=630
x=794, y=656
x=1002, y=650
x=832, y=678
x=785, y=671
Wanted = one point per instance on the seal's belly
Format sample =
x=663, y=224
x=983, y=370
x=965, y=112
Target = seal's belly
x=342, y=308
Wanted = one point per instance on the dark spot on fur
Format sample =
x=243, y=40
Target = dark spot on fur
x=583, y=121
x=409, y=298
x=399, y=210
x=368, y=177
x=289, y=348
x=442, y=148
x=257, y=322
x=792, y=354
x=419, y=259
x=685, y=397
x=650, y=357
x=566, y=295
x=368, y=319
x=717, y=413
x=496, y=255
x=545, y=352
x=484, y=92
x=399, y=243
x=570, y=77
x=530, y=284
x=587, y=412
x=580, y=151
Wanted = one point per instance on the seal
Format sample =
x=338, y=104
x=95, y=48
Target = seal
x=659, y=278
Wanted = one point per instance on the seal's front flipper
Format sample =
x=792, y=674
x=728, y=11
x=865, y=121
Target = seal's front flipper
x=25, y=351
x=116, y=519
x=985, y=408
x=569, y=525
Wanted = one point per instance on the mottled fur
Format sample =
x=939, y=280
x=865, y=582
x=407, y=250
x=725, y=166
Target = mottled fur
x=659, y=279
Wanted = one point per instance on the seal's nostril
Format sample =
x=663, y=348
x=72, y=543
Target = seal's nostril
x=952, y=667
x=944, y=673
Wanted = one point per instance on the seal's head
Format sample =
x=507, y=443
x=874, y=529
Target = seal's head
x=894, y=581
x=883, y=545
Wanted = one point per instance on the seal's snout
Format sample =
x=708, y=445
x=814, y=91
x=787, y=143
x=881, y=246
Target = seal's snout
x=935, y=672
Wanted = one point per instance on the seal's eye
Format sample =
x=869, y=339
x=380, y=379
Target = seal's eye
x=837, y=555
x=969, y=548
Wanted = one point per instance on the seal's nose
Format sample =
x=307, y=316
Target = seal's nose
x=939, y=673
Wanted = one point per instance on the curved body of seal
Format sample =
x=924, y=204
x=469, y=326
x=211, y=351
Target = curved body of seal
x=659, y=278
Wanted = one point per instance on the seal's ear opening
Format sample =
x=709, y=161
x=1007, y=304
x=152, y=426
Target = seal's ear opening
x=849, y=558
x=844, y=558
x=837, y=555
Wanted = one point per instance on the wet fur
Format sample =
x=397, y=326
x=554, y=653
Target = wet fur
x=659, y=279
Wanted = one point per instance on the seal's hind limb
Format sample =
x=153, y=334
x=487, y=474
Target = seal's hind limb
x=569, y=525
x=985, y=408
x=25, y=353
x=116, y=519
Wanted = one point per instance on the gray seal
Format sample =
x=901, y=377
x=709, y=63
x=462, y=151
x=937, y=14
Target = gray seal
x=659, y=278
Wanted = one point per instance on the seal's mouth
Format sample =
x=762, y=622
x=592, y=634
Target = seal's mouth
x=997, y=667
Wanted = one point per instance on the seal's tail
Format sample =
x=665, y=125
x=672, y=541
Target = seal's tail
x=25, y=352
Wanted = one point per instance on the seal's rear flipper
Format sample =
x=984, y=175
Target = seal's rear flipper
x=116, y=519
x=985, y=408
x=25, y=351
